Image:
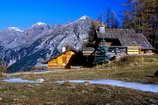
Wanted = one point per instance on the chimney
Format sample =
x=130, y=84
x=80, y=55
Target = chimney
x=102, y=29
x=63, y=49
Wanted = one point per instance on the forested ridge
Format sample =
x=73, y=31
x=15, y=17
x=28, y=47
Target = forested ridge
x=142, y=15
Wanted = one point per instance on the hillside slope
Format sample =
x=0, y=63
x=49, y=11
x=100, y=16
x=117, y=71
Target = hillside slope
x=30, y=47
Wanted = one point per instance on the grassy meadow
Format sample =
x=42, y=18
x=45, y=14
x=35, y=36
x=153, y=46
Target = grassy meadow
x=132, y=69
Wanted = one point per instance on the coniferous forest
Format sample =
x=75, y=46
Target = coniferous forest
x=142, y=15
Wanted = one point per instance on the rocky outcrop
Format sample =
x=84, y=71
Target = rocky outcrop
x=23, y=49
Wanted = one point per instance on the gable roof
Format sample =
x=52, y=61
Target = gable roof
x=127, y=37
x=45, y=62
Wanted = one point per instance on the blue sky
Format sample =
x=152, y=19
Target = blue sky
x=24, y=13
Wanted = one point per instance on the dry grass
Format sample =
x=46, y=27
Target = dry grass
x=2, y=75
x=137, y=69
x=72, y=94
x=134, y=69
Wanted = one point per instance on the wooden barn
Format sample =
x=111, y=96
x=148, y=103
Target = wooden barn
x=136, y=43
x=61, y=61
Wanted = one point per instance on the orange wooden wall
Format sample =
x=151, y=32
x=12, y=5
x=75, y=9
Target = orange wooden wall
x=61, y=61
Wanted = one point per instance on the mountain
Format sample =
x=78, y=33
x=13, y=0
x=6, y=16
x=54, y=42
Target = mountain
x=24, y=49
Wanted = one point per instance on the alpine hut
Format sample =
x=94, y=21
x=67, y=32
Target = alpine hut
x=136, y=43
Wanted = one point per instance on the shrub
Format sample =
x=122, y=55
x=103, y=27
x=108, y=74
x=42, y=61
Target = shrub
x=127, y=61
x=96, y=24
x=156, y=74
x=3, y=67
x=136, y=60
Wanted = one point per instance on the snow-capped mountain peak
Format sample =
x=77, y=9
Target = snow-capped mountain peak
x=83, y=18
x=15, y=29
x=39, y=24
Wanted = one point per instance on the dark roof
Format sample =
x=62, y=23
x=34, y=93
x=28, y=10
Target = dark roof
x=127, y=37
x=88, y=49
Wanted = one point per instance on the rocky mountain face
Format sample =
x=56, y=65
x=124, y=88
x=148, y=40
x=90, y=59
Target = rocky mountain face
x=24, y=49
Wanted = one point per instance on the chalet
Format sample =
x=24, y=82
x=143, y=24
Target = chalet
x=109, y=43
x=113, y=43
x=136, y=43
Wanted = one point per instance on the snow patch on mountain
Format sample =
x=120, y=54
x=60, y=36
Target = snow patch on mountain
x=39, y=24
x=15, y=29
x=83, y=18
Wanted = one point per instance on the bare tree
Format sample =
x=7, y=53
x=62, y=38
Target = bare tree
x=109, y=18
